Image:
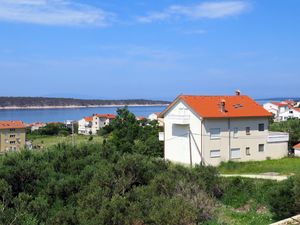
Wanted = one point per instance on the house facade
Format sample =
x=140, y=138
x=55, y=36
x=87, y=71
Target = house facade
x=101, y=120
x=85, y=126
x=211, y=129
x=276, y=108
x=12, y=136
x=297, y=150
x=290, y=114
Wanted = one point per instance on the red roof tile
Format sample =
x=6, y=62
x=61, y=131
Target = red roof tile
x=88, y=119
x=279, y=104
x=297, y=146
x=107, y=116
x=210, y=106
x=11, y=124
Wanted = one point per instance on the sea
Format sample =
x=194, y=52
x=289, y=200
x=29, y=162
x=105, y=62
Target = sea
x=62, y=115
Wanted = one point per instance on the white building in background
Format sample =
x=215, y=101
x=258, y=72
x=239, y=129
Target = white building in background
x=211, y=129
x=85, y=126
x=289, y=114
x=297, y=150
x=36, y=126
x=155, y=116
x=101, y=120
x=276, y=108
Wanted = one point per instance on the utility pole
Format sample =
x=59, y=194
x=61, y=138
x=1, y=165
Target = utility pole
x=73, y=137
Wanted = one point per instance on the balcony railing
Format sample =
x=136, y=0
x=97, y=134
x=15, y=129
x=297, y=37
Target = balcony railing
x=278, y=137
x=179, y=119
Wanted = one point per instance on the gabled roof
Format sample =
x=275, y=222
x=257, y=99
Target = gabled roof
x=279, y=104
x=106, y=116
x=210, y=106
x=297, y=146
x=88, y=119
x=296, y=109
x=11, y=124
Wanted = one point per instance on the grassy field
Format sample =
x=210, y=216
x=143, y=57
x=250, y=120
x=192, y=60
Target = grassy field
x=283, y=166
x=47, y=141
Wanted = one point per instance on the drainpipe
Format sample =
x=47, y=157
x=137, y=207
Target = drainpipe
x=190, y=146
x=229, y=137
x=202, y=163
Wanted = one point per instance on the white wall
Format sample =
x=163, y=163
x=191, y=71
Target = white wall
x=176, y=136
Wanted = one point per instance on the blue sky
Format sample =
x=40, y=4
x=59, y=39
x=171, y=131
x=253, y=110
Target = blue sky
x=149, y=49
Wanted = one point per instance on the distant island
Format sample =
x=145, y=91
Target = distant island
x=53, y=103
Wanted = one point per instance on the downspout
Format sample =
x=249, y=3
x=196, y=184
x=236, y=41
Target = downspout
x=229, y=138
x=190, y=147
x=202, y=163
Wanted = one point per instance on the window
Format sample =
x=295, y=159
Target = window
x=235, y=153
x=235, y=132
x=247, y=130
x=12, y=136
x=261, y=127
x=215, y=133
x=12, y=142
x=12, y=129
x=261, y=147
x=215, y=154
x=247, y=150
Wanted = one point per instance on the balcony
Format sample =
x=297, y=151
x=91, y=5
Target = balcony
x=179, y=119
x=274, y=137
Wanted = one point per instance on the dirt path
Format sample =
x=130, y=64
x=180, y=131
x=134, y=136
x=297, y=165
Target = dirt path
x=266, y=176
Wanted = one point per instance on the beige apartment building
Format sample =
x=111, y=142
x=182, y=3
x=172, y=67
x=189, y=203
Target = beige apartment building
x=211, y=129
x=12, y=136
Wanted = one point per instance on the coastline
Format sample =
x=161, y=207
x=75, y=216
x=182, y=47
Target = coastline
x=77, y=106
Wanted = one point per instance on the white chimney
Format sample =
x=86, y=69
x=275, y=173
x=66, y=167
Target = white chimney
x=238, y=92
x=222, y=105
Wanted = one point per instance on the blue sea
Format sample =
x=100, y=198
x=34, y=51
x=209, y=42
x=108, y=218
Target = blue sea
x=61, y=115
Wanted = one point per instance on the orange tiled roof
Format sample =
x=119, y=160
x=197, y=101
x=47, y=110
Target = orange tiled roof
x=210, y=106
x=88, y=119
x=297, y=146
x=297, y=109
x=11, y=124
x=107, y=116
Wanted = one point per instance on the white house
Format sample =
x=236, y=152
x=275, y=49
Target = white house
x=291, y=113
x=211, y=129
x=297, y=150
x=276, y=108
x=155, y=116
x=85, y=126
x=101, y=120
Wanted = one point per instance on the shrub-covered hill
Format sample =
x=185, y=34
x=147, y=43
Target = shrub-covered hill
x=64, y=102
x=97, y=185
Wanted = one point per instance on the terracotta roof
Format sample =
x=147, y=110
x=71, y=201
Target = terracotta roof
x=11, y=124
x=107, y=116
x=210, y=106
x=279, y=104
x=88, y=119
x=289, y=102
x=297, y=146
x=297, y=109
x=140, y=118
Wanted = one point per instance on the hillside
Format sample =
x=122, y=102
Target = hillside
x=42, y=102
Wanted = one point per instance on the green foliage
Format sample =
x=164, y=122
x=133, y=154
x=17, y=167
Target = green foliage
x=283, y=166
x=52, y=129
x=132, y=136
x=97, y=184
x=291, y=126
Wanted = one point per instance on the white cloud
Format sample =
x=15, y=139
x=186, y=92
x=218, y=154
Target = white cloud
x=53, y=12
x=208, y=10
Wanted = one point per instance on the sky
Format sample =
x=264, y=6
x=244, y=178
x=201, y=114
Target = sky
x=119, y=49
